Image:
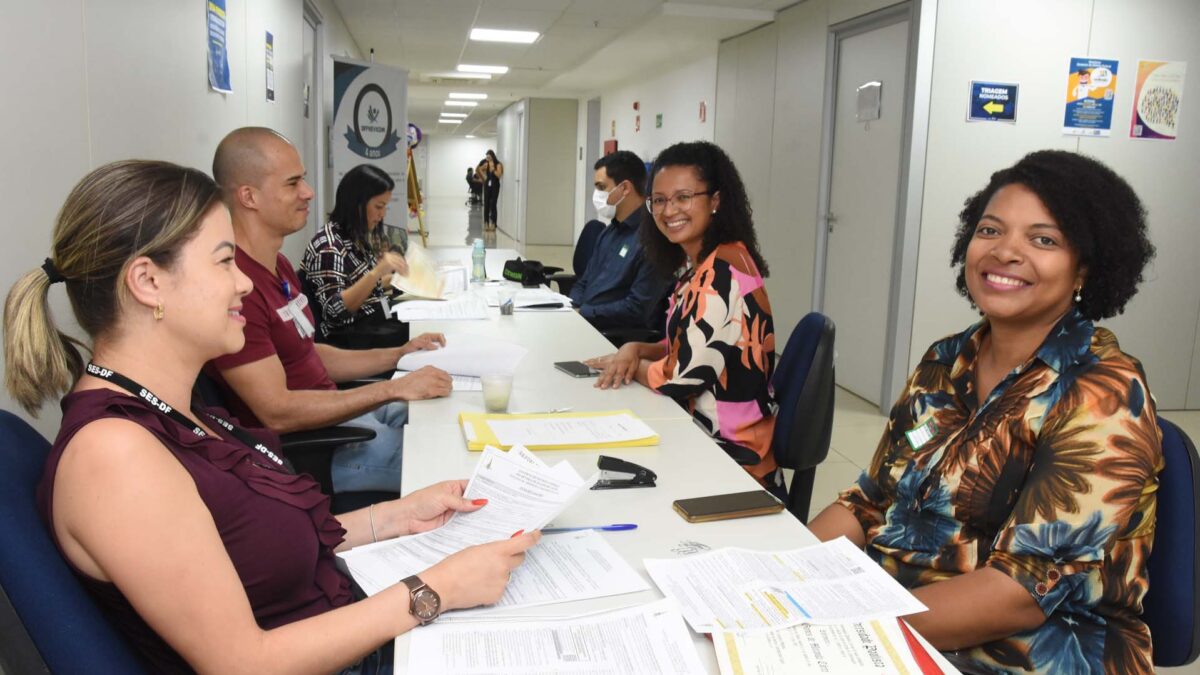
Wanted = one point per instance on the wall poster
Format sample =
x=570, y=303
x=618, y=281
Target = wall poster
x=1091, y=88
x=1157, y=97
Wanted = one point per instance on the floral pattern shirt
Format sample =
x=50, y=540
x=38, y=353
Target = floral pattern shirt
x=1051, y=480
x=721, y=355
x=333, y=264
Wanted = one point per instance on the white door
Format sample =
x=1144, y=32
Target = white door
x=863, y=185
x=310, y=104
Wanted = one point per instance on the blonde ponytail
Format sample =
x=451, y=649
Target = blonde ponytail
x=40, y=362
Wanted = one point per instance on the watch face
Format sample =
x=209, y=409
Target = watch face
x=426, y=604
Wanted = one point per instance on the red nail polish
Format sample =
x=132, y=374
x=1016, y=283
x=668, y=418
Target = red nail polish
x=517, y=534
x=479, y=502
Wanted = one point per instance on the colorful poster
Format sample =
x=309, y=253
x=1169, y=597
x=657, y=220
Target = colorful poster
x=218, y=49
x=370, y=104
x=1091, y=89
x=270, y=66
x=992, y=102
x=1156, y=99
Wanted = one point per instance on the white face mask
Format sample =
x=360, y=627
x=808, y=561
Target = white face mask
x=604, y=210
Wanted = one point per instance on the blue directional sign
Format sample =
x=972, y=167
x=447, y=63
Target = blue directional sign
x=993, y=102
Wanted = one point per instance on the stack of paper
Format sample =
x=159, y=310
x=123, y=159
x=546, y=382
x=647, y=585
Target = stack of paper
x=532, y=299
x=472, y=355
x=557, y=431
x=523, y=493
x=875, y=647
x=457, y=382
x=464, y=306
x=649, y=639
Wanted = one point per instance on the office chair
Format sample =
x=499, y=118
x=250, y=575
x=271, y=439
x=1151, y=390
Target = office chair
x=1171, y=604
x=311, y=451
x=579, y=261
x=803, y=383
x=48, y=621
x=367, y=333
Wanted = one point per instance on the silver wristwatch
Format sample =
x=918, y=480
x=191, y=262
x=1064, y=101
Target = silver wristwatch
x=424, y=602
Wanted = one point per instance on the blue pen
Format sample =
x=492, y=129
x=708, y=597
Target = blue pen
x=287, y=289
x=615, y=527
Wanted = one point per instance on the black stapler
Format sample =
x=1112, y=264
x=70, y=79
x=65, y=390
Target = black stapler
x=617, y=473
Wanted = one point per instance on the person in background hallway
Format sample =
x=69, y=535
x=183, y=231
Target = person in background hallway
x=475, y=186
x=349, y=260
x=201, y=548
x=490, y=171
x=1013, y=489
x=719, y=353
x=620, y=288
x=281, y=378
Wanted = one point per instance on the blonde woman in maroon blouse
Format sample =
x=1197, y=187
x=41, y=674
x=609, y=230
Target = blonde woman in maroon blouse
x=190, y=531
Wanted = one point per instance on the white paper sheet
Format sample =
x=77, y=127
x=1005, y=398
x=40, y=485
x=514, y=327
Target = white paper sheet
x=570, y=430
x=734, y=589
x=457, y=382
x=530, y=296
x=523, y=494
x=465, y=354
x=649, y=639
x=466, y=306
x=870, y=648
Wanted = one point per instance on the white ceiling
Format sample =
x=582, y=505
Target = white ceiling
x=585, y=46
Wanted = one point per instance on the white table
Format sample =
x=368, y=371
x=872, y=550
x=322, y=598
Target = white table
x=688, y=464
x=493, y=261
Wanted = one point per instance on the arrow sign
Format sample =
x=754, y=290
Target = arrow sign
x=992, y=102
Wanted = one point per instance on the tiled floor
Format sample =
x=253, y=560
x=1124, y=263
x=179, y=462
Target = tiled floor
x=857, y=424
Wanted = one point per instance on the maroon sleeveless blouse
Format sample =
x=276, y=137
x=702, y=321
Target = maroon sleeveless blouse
x=276, y=526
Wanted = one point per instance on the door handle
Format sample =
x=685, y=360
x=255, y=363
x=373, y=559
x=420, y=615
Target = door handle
x=830, y=219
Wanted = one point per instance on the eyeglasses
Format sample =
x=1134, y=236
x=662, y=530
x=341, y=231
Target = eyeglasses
x=681, y=200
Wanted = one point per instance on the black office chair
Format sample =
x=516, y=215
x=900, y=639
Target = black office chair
x=1171, y=604
x=48, y=621
x=311, y=451
x=370, y=332
x=579, y=261
x=804, y=388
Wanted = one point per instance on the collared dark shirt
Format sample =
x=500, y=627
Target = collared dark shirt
x=1051, y=481
x=620, y=288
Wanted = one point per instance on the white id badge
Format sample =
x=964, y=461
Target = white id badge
x=922, y=434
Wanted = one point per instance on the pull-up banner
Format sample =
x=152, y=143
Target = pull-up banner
x=370, y=119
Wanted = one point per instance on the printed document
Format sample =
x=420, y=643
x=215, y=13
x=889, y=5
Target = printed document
x=527, y=298
x=523, y=493
x=464, y=354
x=648, y=639
x=735, y=589
x=467, y=306
x=869, y=648
x=457, y=382
x=567, y=431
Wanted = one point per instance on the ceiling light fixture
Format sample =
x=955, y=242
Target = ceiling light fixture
x=446, y=114
x=461, y=104
x=443, y=120
x=479, y=97
x=468, y=68
x=524, y=37
x=470, y=135
x=461, y=76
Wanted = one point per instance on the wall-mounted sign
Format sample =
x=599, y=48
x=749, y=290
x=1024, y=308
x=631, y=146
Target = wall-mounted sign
x=869, y=101
x=703, y=112
x=658, y=121
x=992, y=102
x=1091, y=88
x=270, y=66
x=1156, y=99
x=218, y=47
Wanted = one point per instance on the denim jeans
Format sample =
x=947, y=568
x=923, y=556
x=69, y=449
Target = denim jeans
x=373, y=464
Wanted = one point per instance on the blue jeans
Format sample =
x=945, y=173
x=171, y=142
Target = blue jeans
x=373, y=464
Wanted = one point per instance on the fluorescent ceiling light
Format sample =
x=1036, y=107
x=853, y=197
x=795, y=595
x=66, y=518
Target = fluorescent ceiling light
x=443, y=120
x=462, y=104
x=479, y=97
x=468, y=68
x=470, y=135
x=495, y=35
x=462, y=76
x=446, y=114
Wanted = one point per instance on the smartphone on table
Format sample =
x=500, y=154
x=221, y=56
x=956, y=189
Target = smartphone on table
x=576, y=369
x=724, y=507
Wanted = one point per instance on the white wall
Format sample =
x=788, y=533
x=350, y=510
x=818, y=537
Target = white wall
x=1160, y=323
x=122, y=79
x=449, y=157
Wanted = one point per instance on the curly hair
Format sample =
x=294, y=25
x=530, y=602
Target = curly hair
x=1098, y=212
x=732, y=222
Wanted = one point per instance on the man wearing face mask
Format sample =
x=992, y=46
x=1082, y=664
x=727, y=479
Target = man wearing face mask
x=619, y=288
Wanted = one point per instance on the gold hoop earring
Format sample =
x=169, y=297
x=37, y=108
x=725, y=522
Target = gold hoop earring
x=158, y=311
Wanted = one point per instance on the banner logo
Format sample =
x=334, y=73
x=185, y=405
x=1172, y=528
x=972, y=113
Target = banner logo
x=369, y=136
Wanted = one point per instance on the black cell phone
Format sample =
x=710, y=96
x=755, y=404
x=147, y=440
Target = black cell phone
x=576, y=369
x=724, y=507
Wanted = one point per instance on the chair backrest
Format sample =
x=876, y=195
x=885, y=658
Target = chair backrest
x=803, y=383
x=585, y=246
x=63, y=628
x=1172, y=602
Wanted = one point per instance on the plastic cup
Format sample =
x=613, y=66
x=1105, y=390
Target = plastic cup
x=497, y=388
x=507, y=297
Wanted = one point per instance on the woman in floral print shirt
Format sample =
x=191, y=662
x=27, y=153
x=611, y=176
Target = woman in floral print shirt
x=719, y=352
x=1014, y=487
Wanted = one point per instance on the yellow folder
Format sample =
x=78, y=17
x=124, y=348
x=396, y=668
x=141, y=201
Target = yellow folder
x=480, y=434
